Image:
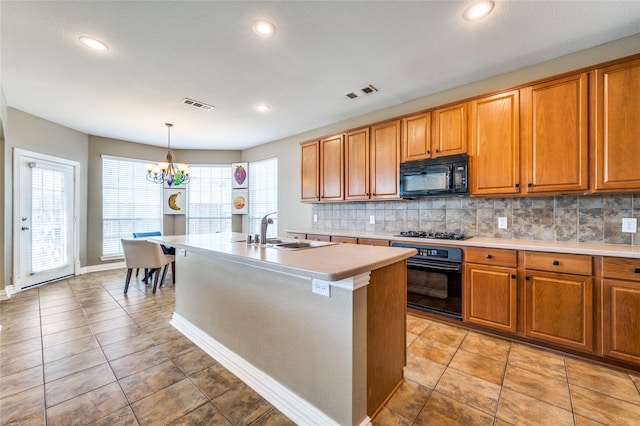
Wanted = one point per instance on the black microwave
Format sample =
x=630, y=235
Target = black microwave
x=440, y=176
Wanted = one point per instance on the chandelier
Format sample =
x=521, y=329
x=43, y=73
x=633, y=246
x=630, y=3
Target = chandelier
x=172, y=173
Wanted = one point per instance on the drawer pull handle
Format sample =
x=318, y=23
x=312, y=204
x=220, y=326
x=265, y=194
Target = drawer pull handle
x=488, y=256
x=513, y=276
x=556, y=263
x=636, y=270
x=527, y=278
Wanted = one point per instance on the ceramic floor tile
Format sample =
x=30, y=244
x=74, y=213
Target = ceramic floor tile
x=215, y=380
x=48, y=303
x=194, y=361
x=519, y=409
x=11, y=337
x=411, y=338
x=538, y=361
x=138, y=361
x=118, y=334
x=206, y=414
x=479, y=366
x=87, y=407
x=444, y=333
x=23, y=408
x=23, y=347
x=417, y=325
x=71, y=306
x=605, y=380
x=433, y=350
x=470, y=390
x=122, y=417
x=487, y=346
x=409, y=399
x=126, y=347
x=83, y=344
x=65, y=336
x=241, y=405
x=15, y=364
x=106, y=315
x=102, y=326
x=445, y=411
x=163, y=333
x=584, y=421
x=168, y=404
x=58, y=326
x=72, y=364
x=20, y=323
x=423, y=371
x=153, y=379
x=76, y=384
x=273, y=418
x=602, y=407
x=21, y=381
x=547, y=389
x=386, y=417
x=101, y=307
x=65, y=315
x=177, y=347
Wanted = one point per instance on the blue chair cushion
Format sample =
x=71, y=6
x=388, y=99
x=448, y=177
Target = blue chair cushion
x=166, y=250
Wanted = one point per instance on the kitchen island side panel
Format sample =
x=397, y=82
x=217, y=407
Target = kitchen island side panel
x=311, y=344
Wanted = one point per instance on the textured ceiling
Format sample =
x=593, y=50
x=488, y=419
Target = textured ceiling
x=163, y=51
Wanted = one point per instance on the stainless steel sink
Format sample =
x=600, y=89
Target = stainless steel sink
x=300, y=244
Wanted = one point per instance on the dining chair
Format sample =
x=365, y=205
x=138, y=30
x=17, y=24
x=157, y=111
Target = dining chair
x=165, y=249
x=140, y=253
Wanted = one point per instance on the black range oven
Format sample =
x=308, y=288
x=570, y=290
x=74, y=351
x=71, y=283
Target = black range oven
x=434, y=279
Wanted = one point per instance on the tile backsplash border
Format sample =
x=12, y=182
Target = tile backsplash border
x=584, y=218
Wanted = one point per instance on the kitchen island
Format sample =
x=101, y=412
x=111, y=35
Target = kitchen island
x=318, y=332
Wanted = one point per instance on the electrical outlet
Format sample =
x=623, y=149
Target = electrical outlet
x=502, y=222
x=629, y=224
x=321, y=287
x=315, y=218
x=372, y=220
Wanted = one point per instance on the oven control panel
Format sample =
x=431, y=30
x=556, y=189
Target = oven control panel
x=433, y=252
x=450, y=254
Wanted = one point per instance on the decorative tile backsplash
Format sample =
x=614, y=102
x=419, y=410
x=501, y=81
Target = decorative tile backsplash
x=588, y=218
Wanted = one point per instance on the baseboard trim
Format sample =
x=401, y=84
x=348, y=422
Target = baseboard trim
x=6, y=293
x=291, y=405
x=101, y=267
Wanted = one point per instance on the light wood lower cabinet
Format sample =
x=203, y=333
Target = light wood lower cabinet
x=621, y=309
x=559, y=305
x=318, y=237
x=347, y=240
x=491, y=288
x=373, y=242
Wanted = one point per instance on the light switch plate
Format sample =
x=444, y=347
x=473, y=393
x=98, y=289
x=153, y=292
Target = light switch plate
x=372, y=220
x=502, y=222
x=629, y=224
x=315, y=218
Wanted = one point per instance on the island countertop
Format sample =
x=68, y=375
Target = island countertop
x=329, y=263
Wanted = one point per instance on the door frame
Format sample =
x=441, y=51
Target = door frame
x=18, y=153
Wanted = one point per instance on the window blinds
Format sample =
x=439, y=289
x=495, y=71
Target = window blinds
x=263, y=194
x=209, y=199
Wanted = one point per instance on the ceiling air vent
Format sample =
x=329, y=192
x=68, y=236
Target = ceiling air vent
x=197, y=104
x=360, y=92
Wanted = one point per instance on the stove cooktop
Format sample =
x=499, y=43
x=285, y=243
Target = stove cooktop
x=432, y=235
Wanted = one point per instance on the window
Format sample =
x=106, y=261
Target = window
x=130, y=203
x=209, y=199
x=263, y=194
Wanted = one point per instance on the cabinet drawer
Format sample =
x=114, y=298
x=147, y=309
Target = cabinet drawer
x=349, y=240
x=489, y=256
x=373, y=242
x=318, y=237
x=621, y=268
x=559, y=262
x=297, y=235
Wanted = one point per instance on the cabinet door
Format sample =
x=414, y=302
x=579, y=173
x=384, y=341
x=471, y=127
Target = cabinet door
x=495, y=140
x=450, y=130
x=617, y=132
x=559, y=309
x=331, y=169
x=554, y=119
x=385, y=160
x=621, y=320
x=373, y=242
x=416, y=137
x=310, y=171
x=491, y=296
x=356, y=157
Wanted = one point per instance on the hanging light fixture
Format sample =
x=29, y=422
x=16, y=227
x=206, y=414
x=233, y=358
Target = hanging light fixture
x=172, y=173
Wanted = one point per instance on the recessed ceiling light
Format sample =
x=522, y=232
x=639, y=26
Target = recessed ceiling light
x=263, y=28
x=263, y=107
x=478, y=10
x=93, y=43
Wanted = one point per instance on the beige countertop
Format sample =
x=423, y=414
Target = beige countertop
x=593, y=249
x=329, y=263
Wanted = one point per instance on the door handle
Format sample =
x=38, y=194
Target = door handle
x=25, y=228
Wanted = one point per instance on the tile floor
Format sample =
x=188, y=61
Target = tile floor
x=78, y=351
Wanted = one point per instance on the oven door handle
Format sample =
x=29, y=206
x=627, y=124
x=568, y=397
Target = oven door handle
x=428, y=264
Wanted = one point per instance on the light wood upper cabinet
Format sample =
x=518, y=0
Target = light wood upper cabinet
x=310, y=171
x=450, y=130
x=416, y=137
x=554, y=118
x=495, y=144
x=332, y=168
x=356, y=156
x=385, y=160
x=617, y=127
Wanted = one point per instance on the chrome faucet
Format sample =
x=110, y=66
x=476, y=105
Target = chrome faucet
x=263, y=227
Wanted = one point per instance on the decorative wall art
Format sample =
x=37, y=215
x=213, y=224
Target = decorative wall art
x=175, y=201
x=239, y=201
x=240, y=175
